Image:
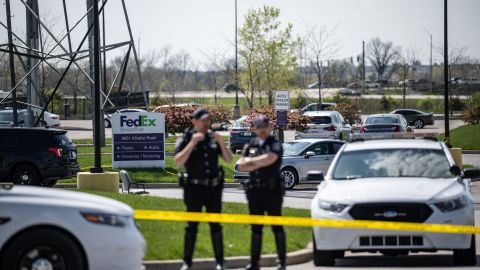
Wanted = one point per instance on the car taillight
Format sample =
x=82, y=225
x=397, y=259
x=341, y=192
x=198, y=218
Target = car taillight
x=330, y=128
x=234, y=132
x=363, y=129
x=56, y=151
x=396, y=129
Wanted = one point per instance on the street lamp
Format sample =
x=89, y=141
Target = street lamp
x=445, y=73
x=236, y=108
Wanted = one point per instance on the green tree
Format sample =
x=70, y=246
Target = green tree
x=267, y=53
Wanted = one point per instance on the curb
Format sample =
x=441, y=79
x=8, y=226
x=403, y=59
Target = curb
x=471, y=152
x=294, y=257
x=150, y=185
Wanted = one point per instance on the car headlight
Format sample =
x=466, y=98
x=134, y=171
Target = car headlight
x=106, y=219
x=332, y=206
x=452, y=204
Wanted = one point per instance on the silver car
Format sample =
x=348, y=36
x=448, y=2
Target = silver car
x=299, y=157
x=326, y=124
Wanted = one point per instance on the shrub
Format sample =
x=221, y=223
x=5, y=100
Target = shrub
x=425, y=104
x=296, y=121
x=471, y=114
x=299, y=100
x=389, y=102
x=177, y=119
x=349, y=111
x=456, y=104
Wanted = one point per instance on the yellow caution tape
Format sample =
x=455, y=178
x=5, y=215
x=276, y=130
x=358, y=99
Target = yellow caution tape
x=304, y=222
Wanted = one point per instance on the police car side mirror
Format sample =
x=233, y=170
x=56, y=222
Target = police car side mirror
x=455, y=170
x=472, y=173
x=314, y=176
x=309, y=154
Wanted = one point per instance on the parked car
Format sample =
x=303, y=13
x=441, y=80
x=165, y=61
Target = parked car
x=240, y=135
x=6, y=118
x=57, y=229
x=416, y=118
x=49, y=119
x=36, y=156
x=385, y=123
x=349, y=92
x=315, y=85
x=413, y=181
x=370, y=84
x=314, y=107
x=108, y=117
x=300, y=156
x=326, y=124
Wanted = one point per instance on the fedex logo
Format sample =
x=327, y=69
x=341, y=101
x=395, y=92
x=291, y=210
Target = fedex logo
x=142, y=121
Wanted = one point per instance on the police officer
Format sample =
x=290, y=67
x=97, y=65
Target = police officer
x=198, y=150
x=262, y=157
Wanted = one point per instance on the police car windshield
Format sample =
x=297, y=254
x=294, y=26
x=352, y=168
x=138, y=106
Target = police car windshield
x=430, y=163
x=293, y=148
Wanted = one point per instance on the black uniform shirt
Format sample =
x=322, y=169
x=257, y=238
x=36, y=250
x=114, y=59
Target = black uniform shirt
x=203, y=161
x=254, y=149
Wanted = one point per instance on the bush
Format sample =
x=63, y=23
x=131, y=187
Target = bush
x=296, y=121
x=299, y=100
x=349, y=111
x=471, y=114
x=388, y=102
x=425, y=104
x=456, y=104
x=177, y=119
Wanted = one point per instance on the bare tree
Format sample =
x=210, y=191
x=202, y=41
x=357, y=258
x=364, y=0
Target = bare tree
x=405, y=61
x=381, y=54
x=213, y=68
x=320, y=47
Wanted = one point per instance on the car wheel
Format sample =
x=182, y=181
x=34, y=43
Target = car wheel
x=43, y=249
x=323, y=257
x=289, y=177
x=465, y=257
x=25, y=174
x=419, y=123
x=108, y=124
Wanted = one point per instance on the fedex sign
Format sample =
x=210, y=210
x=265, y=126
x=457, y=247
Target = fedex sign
x=141, y=121
x=138, y=140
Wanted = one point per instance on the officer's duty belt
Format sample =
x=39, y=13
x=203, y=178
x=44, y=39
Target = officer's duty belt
x=207, y=182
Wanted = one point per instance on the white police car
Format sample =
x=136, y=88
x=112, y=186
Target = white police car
x=44, y=228
x=394, y=180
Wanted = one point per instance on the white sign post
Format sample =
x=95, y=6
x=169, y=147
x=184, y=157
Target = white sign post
x=138, y=140
x=282, y=100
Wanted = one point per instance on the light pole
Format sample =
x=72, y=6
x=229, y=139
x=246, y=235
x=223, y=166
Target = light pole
x=445, y=73
x=431, y=58
x=236, y=108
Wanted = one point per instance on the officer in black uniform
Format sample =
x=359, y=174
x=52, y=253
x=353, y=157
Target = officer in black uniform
x=262, y=157
x=198, y=150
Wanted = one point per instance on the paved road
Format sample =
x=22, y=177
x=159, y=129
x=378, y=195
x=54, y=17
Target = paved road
x=300, y=198
x=311, y=93
x=438, y=127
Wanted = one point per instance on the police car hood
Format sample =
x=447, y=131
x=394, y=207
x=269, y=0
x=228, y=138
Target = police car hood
x=55, y=198
x=407, y=189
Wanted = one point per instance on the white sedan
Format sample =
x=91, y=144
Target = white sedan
x=326, y=124
x=394, y=180
x=43, y=228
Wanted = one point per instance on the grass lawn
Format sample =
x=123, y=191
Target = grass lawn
x=167, y=175
x=466, y=137
x=165, y=239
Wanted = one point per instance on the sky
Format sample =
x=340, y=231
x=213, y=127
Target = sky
x=203, y=26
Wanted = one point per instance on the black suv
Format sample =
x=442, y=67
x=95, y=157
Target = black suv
x=36, y=156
